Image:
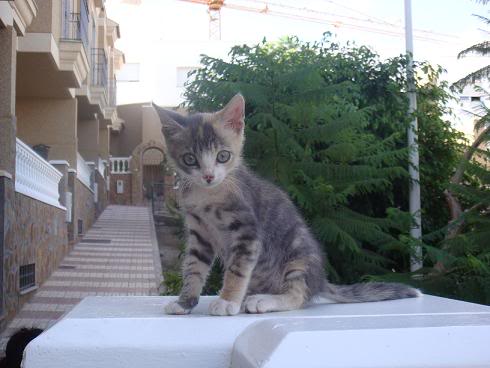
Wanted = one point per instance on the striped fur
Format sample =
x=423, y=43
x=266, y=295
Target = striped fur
x=272, y=261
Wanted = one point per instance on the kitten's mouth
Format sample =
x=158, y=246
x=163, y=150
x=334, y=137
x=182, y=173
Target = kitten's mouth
x=213, y=184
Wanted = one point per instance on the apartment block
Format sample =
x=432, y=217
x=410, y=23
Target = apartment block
x=57, y=108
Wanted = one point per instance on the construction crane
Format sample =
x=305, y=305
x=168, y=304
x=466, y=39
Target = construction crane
x=214, y=10
x=362, y=21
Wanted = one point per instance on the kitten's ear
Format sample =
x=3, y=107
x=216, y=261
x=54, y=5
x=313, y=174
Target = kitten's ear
x=170, y=127
x=233, y=114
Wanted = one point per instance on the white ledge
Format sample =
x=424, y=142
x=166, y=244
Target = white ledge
x=134, y=332
x=59, y=162
x=5, y=174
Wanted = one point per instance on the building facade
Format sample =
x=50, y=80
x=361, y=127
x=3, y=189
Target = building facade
x=473, y=104
x=57, y=108
x=139, y=171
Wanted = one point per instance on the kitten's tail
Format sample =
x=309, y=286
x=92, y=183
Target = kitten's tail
x=368, y=292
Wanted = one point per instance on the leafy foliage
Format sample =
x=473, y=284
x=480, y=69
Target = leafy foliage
x=482, y=49
x=460, y=251
x=327, y=123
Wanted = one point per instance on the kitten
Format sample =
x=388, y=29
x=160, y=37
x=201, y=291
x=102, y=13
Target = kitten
x=271, y=260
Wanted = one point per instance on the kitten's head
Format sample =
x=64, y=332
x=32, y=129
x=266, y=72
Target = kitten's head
x=205, y=147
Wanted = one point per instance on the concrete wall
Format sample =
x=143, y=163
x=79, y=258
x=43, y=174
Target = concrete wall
x=84, y=207
x=8, y=59
x=123, y=143
x=34, y=232
x=152, y=127
x=104, y=142
x=124, y=198
x=141, y=125
x=48, y=19
x=88, y=139
x=52, y=122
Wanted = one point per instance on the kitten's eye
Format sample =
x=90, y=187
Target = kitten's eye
x=223, y=156
x=189, y=159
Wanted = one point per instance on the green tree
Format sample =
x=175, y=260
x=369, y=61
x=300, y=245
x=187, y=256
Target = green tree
x=460, y=251
x=328, y=124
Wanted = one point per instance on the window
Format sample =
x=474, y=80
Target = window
x=27, y=276
x=130, y=72
x=475, y=98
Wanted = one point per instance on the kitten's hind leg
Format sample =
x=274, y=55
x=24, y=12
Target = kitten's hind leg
x=294, y=297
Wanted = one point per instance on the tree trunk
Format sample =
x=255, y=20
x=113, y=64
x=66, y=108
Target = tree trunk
x=457, y=178
x=453, y=202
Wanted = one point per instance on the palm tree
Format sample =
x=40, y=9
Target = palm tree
x=482, y=126
x=483, y=49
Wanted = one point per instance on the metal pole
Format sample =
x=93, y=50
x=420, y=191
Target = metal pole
x=413, y=160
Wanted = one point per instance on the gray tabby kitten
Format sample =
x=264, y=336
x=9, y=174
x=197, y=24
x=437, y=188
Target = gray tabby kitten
x=271, y=260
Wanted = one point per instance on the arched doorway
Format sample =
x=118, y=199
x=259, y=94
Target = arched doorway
x=153, y=173
x=149, y=172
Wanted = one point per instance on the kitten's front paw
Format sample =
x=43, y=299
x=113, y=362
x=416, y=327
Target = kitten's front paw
x=221, y=307
x=260, y=303
x=176, y=308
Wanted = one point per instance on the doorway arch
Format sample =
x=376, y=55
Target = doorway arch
x=137, y=169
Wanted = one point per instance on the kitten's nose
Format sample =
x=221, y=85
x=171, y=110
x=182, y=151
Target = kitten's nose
x=208, y=178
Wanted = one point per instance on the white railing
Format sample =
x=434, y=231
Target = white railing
x=35, y=177
x=101, y=167
x=84, y=172
x=120, y=165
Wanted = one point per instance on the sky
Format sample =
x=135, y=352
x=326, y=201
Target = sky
x=162, y=35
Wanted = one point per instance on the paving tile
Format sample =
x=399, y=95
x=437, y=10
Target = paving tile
x=116, y=257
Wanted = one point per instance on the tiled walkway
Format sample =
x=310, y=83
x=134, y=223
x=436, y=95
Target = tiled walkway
x=117, y=256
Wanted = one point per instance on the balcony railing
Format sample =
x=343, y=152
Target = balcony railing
x=35, y=177
x=99, y=68
x=84, y=172
x=112, y=93
x=120, y=165
x=75, y=25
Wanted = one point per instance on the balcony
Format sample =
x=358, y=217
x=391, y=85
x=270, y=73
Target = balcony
x=57, y=44
x=112, y=93
x=75, y=25
x=75, y=32
x=35, y=177
x=120, y=165
x=18, y=14
x=99, y=68
x=93, y=96
x=110, y=111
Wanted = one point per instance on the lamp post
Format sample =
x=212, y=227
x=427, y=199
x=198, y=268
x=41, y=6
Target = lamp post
x=413, y=160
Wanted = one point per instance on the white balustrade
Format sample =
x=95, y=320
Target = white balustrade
x=120, y=165
x=35, y=177
x=84, y=172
